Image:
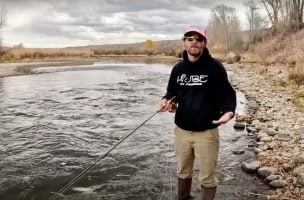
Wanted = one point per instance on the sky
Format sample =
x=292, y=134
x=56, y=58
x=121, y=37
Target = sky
x=63, y=23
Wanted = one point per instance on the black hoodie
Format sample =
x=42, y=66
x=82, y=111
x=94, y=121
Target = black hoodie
x=202, y=91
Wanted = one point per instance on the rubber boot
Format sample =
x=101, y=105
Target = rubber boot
x=184, y=188
x=208, y=193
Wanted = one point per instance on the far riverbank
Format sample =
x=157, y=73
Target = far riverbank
x=24, y=68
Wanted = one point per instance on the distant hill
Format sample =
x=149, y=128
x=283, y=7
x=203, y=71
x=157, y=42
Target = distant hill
x=164, y=47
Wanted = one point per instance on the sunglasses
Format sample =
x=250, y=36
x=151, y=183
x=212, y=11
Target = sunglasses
x=194, y=37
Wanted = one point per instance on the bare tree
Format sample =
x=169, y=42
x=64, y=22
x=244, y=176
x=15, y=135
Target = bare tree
x=224, y=28
x=2, y=24
x=256, y=22
x=296, y=14
x=273, y=7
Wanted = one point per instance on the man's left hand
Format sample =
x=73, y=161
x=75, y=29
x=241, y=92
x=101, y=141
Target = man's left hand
x=224, y=118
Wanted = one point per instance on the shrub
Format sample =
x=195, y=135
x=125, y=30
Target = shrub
x=296, y=73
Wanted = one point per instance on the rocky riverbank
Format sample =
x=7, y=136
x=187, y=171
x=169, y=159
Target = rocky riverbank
x=275, y=128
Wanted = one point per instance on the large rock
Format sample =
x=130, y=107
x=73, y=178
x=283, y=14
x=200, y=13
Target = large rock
x=283, y=137
x=267, y=171
x=266, y=139
x=251, y=167
x=272, y=177
x=278, y=183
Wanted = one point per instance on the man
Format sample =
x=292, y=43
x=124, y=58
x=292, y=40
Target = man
x=200, y=93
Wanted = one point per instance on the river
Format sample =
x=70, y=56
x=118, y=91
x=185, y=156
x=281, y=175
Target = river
x=57, y=122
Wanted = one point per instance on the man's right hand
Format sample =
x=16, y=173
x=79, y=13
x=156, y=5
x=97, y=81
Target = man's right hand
x=167, y=105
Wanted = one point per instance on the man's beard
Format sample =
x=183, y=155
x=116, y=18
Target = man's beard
x=195, y=53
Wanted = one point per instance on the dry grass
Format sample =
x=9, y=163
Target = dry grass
x=261, y=70
x=298, y=100
x=285, y=48
x=24, y=54
x=296, y=73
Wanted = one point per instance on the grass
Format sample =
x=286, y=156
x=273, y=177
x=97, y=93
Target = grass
x=22, y=54
x=296, y=73
x=298, y=101
x=261, y=70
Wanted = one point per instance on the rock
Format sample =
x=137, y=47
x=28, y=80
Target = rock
x=266, y=139
x=251, y=167
x=299, y=159
x=272, y=132
x=264, y=147
x=300, y=179
x=272, y=177
x=287, y=167
x=267, y=171
x=286, y=155
x=251, y=130
x=239, y=126
x=278, y=183
x=252, y=135
x=257, y=150
x=299, y=170
x=243, y=118
x=251, y=144
x=272, y=146
x=261, y=135
x=263, y=155
x=238, y=152
x=283, y=137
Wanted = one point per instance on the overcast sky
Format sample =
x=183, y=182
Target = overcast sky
x=61, y=23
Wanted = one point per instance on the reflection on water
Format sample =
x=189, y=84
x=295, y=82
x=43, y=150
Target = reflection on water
x=54, y=125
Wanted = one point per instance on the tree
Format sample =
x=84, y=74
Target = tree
x=2, y=24
x=284, y=14
x=273, y=7
x=294, y=11
x=255, y=20
x=224, y=28
x=149, y=45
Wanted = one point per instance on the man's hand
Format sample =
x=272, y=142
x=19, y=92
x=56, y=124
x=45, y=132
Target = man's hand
x=172, y=106
x=167, y=105
x=224, y=118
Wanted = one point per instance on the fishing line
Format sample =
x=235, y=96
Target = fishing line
x=79, y=176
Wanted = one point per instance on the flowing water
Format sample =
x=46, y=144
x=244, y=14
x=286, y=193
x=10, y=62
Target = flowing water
x=57, y=122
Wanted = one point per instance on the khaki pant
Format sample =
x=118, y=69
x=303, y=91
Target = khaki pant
x=204, y=147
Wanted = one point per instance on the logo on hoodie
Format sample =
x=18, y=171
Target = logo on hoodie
x=192, y=80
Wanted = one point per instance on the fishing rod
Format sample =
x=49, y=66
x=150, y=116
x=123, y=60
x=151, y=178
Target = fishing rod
x=85, y=171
